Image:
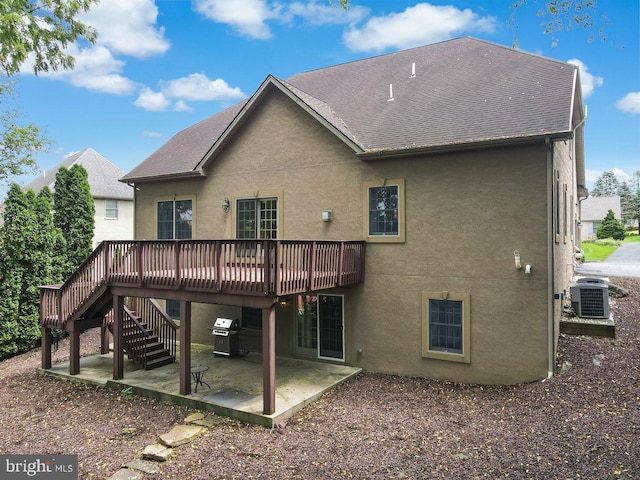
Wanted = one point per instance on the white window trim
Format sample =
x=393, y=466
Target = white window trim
x=107, y=209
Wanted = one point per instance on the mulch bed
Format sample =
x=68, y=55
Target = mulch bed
x=582, y=423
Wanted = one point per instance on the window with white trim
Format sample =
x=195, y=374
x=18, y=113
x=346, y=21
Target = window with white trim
x=446, y=326
x=384, y=210
x=111, y=209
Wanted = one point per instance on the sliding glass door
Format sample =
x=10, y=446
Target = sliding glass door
x=320, y=326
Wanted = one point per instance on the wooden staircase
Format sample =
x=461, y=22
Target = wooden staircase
x=142, y=343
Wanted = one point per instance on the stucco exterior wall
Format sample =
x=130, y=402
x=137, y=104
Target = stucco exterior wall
x=565, y=235
x=113, y=229
x=466, y=213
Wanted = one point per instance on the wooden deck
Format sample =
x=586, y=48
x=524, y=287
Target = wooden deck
x=251, y=273
x=201, y=269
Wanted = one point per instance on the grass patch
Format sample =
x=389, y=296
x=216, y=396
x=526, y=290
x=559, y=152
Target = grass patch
x=632, y=236
x=598, y=250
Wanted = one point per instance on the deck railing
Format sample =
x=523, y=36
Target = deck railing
x=236, y=267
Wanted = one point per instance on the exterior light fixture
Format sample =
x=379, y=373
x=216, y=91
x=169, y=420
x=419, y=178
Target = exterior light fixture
x=283, y=300
x=327, y=214
x=226, y=205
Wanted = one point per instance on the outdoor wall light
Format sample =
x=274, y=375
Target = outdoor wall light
x=283, y=300
x=326, y=215
x=226, y=205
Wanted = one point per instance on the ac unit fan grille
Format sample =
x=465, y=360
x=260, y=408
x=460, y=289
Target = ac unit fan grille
x=590, y=300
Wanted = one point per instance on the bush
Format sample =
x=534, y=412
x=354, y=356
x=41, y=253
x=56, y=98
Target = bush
x=611, y=228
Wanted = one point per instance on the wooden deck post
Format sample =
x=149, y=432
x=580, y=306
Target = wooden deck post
x=46, y=347
x=185, y=348
x=74, y=348
x=269, y=360
x=104, y=339
x=118, y=337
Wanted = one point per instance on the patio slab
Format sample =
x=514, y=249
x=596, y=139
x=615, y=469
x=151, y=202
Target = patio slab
x=236, y=383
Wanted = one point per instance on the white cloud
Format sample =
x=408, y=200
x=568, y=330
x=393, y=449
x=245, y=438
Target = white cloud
x=591, y=176
x=95, y=69
x=148, y=133
x=588, y=81
x=152, y=101
x=621, y=174
x=418, y=25
x=124, y=27
x=198, y=87
x=248, y=17
x=324, y=13
x=181, y=106
x=630, y=103
x=127, y=27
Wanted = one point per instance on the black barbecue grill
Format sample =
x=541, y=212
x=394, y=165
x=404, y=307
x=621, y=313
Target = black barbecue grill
x=225, y=332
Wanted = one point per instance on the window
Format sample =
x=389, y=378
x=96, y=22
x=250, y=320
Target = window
x=251, y=318
x=175, y=219
x=257, y=218
x=446, y=326
x=384, y=210
x=111, y=209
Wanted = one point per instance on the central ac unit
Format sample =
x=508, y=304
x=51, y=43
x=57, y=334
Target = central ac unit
x=590, y=298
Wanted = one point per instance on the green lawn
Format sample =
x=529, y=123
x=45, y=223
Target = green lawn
x=598, y=250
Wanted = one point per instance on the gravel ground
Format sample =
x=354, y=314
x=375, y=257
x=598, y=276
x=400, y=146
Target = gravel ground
x=580, y=424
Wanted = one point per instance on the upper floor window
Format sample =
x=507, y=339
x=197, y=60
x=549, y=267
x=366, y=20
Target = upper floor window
x=257, y=218
x=175, y=219
x=111, y=209
x=384, y=211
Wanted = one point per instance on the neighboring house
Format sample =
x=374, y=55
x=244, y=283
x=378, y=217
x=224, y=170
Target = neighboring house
x=592, y=213
x=459, y=165
x=113, y=200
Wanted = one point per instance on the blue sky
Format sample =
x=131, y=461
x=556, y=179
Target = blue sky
x=161, y=66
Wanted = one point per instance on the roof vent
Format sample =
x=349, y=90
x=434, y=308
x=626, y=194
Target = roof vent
x=413, y=70
x=390, y=99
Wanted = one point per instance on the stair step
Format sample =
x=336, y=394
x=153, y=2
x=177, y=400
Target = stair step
x=151, y=346
x=154, y=355
x=160, y=362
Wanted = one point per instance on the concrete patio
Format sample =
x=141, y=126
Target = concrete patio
x=234, y=384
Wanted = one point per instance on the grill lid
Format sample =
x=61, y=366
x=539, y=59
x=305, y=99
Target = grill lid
x=227, y=323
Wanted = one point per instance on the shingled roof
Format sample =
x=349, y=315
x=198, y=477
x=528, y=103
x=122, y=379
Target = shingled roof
x=103, y=176
x=454, y=94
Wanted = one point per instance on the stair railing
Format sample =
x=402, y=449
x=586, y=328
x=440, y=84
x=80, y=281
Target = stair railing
x=158, y=321
x=135, y=338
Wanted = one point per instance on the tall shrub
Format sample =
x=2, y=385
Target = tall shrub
x=26, y=265
x=74, y=212
x=611, y=228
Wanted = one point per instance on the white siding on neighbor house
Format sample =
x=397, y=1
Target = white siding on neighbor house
x=593, y=210
x=111, y=228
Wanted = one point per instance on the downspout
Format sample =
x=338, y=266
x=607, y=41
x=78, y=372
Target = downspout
x=551, y=273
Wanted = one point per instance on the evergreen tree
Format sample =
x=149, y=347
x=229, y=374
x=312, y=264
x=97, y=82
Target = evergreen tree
x=25, y=266
x=626, y=202
x=611, y=228
x=607, y=185
x=55, y=246
x=74, y=213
